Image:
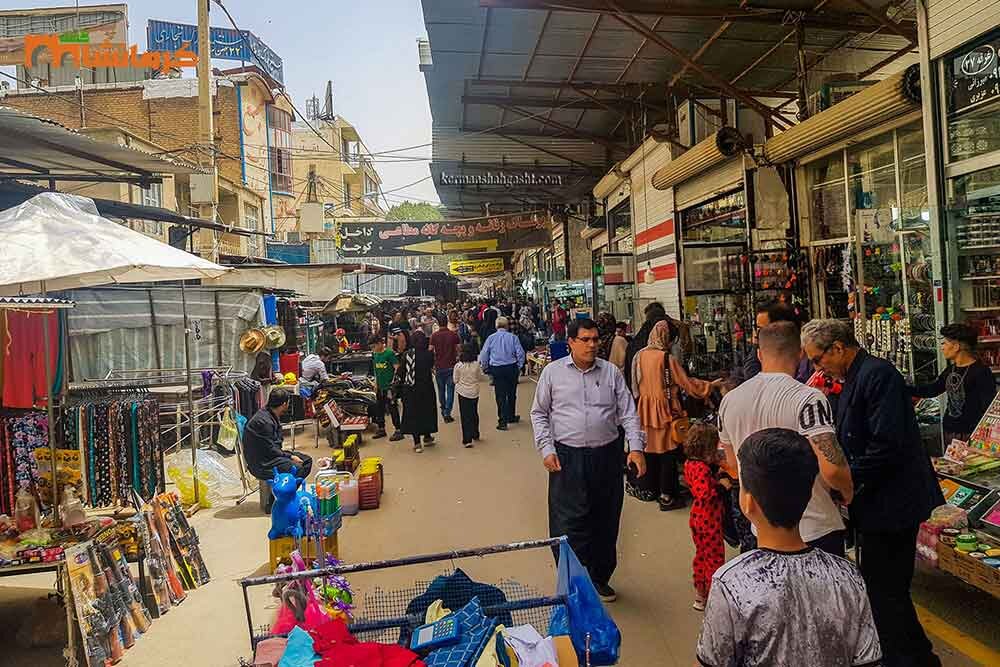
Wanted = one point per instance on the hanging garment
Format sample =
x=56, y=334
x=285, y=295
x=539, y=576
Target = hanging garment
x=25, y=434
x=24, y=358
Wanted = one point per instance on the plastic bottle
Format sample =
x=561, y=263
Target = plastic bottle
x=71, y=510
x=25, y=511
x=347, y=489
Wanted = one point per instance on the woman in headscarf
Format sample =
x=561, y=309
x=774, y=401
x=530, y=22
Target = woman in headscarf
x=657, y=381
x=416, y=384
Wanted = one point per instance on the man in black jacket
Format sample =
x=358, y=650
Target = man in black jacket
x=895, y=488
x=262, y=440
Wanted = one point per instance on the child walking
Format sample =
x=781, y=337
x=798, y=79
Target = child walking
x=467, y=376
x=702, y=450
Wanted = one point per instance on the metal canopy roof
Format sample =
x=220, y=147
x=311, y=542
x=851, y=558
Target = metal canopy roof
x=568, y=84
x=34, y=147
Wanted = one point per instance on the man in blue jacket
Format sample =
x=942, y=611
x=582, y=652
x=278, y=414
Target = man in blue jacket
x=895, y=487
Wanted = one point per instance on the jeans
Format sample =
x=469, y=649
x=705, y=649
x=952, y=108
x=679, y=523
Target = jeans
x=446, y=390
x=382, y=405
x=505, y=386
x=468, y=409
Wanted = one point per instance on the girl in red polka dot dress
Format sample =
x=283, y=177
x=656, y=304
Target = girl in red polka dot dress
x=702, y=451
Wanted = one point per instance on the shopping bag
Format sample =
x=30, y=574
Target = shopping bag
x=227, y=431
x=583, y=616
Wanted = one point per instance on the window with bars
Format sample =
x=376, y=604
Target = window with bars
x=279, y=132
x=251, y=217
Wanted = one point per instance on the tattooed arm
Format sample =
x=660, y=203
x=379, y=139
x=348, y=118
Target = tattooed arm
x=833, y=468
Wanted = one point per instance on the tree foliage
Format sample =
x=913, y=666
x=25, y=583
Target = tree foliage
x=409, y=210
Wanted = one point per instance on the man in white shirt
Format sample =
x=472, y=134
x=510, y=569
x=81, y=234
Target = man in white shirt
x=775, y=399
x=314, y=366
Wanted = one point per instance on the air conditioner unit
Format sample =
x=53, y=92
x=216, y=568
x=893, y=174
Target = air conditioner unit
x=204, y=189
x=293, y=237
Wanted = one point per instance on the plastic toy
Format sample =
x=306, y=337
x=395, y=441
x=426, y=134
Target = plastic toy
x=292, y=504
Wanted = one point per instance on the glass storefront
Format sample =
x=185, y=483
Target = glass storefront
x=872, y=250
x=717, y=298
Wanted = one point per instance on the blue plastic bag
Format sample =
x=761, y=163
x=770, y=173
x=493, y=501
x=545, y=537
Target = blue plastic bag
x=584, y=613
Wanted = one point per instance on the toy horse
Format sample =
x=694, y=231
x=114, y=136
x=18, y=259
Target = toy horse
x=292, y=504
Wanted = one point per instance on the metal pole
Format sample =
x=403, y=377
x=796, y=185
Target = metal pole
x=50, y=413
x=206, y=129
x=190, y=395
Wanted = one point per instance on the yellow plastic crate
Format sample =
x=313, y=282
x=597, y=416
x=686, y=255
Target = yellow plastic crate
x=370, y=465
x=281, y=550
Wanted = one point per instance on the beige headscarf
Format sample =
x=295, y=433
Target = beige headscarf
x=659, y=339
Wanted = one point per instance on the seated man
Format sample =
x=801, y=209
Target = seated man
x=262, y=441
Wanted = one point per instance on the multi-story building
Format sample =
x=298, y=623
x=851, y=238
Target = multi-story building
x=334, y=161
x=252, y=120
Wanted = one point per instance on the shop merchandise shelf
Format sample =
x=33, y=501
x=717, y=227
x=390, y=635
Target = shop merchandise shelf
x=981, y=309
x=978, y=247
x=989, y=339
x=980, y=277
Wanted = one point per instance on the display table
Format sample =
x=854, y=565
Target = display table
x=536, y=362
x=61, y=589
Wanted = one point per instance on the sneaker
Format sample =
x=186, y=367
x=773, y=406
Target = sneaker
x=670, y=504
x=396, y=437
x=379, y=434
x=501, y=426
x=449, y=419
x=699, y=604
x=429, y=440
x=467, y=445
x=516, y=419
x=418, y=448
x=606, y=593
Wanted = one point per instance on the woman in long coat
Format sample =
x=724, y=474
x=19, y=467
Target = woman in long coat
x=657, y=381
x=416, y=382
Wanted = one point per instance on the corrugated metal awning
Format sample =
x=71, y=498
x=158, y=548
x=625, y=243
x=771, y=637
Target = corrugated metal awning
x=713, y=151
x=32, y=146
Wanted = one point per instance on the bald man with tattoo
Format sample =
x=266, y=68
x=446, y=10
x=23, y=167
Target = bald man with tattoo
x=775, y=399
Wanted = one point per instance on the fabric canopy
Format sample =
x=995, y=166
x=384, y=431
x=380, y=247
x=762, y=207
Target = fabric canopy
x=57, y=241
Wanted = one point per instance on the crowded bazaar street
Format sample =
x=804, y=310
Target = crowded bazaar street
x=452, y=498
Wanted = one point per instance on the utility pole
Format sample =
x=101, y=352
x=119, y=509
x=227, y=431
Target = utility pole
x=206, y=127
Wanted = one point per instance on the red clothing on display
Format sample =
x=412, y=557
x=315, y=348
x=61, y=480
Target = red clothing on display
x=706, y=524
x=24, y=358
x=338, y=648
x=559, y=318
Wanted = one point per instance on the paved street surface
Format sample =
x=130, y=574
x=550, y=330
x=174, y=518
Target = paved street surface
x=449, y=498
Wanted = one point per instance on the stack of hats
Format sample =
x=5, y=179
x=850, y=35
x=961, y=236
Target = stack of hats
x=257, y=339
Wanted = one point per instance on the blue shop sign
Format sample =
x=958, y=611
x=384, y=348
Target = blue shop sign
x=227, y=44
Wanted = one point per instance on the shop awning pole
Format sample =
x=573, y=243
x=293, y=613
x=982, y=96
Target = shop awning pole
x=50, y=413
x=190, y=397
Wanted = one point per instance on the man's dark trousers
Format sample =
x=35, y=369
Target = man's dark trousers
x=505, y=387
x=886, y=563
x=585, y=504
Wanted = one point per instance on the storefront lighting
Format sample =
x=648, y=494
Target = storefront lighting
x=649, y=278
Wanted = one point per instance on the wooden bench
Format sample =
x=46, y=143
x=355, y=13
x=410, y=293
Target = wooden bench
x=341, y=422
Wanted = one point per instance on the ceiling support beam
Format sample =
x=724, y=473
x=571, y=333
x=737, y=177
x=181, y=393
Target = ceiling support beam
x=855, y=22
x=552, y=153
x=885, y=22
x=767, y=54
x=696, y=56
x=724, y=86
x=572, y=131
x=576, y=67
x=801, y=71
x=887, y=61
x=590, y=102
x=633, y=90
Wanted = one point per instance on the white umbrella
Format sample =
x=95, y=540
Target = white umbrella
x=56, y=241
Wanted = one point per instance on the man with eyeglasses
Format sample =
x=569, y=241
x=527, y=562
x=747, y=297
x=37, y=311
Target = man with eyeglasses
x=895, y=488
x=579, y=404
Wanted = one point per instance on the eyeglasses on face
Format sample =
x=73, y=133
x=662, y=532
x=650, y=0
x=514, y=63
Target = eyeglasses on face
x=817, y=360
x=587, y=340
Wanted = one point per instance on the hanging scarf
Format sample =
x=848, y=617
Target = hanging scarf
x=410, y=367
x=659, y=339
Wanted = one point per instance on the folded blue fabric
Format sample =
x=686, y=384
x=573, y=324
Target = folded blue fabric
x=476, y=630
x=299, y=651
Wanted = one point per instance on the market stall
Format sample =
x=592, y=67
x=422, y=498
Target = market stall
x=62, y=243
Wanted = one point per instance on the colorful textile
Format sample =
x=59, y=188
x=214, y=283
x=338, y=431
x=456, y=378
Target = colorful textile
x=24, y=383
x=337, y=648
x=476, y=630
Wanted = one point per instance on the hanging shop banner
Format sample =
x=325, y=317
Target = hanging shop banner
x=476, y=267
x=105, y=24
x=499, y=233
x=227, y=44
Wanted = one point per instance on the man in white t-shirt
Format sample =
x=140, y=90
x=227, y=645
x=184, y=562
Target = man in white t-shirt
x=775, y=399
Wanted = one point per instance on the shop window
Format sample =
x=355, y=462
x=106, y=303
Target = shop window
x=620, y=224
x=251, y=217
x=720, y=220
x=827, y=205
x=279, y=135
x=871, y=166
x=912, y=176
x=974, y=227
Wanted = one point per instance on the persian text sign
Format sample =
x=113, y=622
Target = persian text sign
x=227, y=44
x=75, y=48
x=476, y=267
x=500, y=233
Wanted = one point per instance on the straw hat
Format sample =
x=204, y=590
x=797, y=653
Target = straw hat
x=252, y=341
x=275, y=337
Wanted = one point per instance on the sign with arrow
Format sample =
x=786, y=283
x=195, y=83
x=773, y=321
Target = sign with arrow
x=498, y=233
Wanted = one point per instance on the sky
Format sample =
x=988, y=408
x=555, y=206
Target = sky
x=368, y=48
